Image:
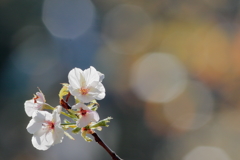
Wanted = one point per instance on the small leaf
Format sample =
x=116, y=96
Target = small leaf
x=93, y=105
x=76, y=100
x=102, y=123
x=66, y=121
x=64, y=90
x=86, y=138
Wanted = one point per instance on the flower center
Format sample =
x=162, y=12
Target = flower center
x=83, y=112
x=35, y=99
x=84, y=91
x=87, y=130
x=50, y=125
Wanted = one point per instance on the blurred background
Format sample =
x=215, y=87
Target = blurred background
x=172, y=75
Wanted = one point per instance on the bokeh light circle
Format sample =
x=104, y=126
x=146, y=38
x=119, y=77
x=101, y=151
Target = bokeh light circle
x=192, y=109
x=158, y=77
x=68, y=19
x=207, y=153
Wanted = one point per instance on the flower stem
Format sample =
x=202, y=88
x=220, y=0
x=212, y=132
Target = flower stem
x=65, y=114
x=68, y=95
x=110, y=152
x=47, y=106
x=68, y=124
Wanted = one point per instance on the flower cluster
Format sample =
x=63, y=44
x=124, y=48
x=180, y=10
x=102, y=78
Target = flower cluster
x=85, y=86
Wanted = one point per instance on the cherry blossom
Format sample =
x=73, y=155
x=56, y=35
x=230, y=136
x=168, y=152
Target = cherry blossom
x=46, y=129
x=86, y=115
x=34, y=104
x=86, y=85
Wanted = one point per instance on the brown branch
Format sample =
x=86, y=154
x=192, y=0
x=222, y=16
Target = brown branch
x=110, y=152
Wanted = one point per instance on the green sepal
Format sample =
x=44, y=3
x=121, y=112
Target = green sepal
x=76, y=130
x=102, y=123
x=76, y=100
x=86, y=138
x=65, y=127
x=66, y=121
x=47, y=106
x=93, y=105
x=68, y=135
x=72, y=112
x=69, y=115
x=68, y=125
x=64, y=90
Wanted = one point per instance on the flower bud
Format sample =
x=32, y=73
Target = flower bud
x=59, y=109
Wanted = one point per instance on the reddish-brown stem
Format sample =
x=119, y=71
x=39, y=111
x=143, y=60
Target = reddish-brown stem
x=101, y=143
x=68, y=96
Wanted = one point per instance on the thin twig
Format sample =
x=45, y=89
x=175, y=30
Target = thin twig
x=110, y=152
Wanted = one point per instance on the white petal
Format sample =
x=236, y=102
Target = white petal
x=97, y=90
x=84, y=107
x=49, y=139
x=85, y=98
x=37, y=139
x=73, y=91
x=30, y=107
x=91, y=74
x=33, y=126
x=88, y=118
x=82, y=98
x=45, y=136
x=58, y=134
x=95, y=116
x=56, y=117
x=59, y=109
x=41, y=97
x=78, y=106
x=42, y=139
x=101, y=76
x=74, y=77
x=40, y=116
x=48, y=116
x=36, y=143
x=100, y=96
x=82, y=122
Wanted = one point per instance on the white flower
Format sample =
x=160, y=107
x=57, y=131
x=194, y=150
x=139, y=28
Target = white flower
x=86, y=85
x=34, y=104
x=46, y=129
x=86, y=115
